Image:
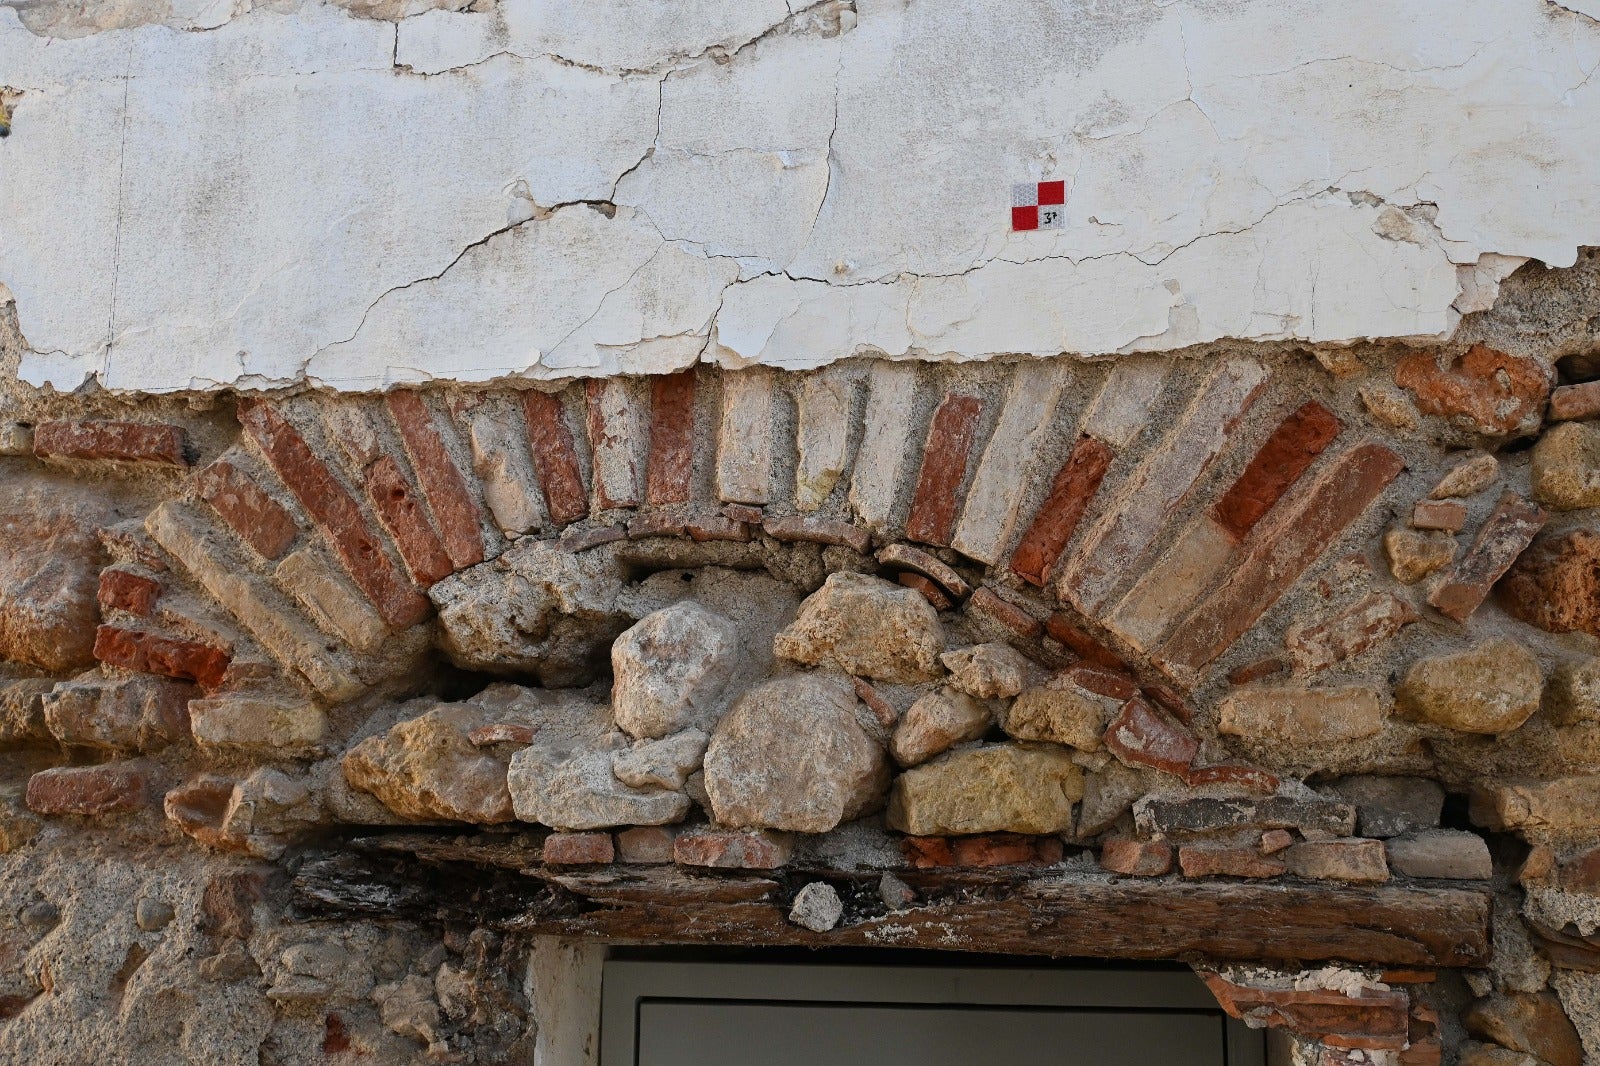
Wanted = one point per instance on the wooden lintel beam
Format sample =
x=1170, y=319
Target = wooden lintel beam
x=1012, y=911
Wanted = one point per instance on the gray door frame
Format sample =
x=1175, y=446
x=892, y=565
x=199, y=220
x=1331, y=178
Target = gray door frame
x=626, y=982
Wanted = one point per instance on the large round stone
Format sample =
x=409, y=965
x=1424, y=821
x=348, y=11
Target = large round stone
x=791, y=754
x=671, y=669
x=1492, y=688
x=868, y=627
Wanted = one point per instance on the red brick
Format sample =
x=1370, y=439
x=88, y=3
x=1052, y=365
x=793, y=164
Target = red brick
x=1076, y=639
x=1271, y=666
x=455, y=511
x=671, y=465
x=103, y=789
x=502, y=733
x=1278, y=551
x=1215, y=860
x=743, y=512
x=402, y=515
x=1145, y=736
x=881, y=709
x=591, y=538
x=1555, y=584
x=260, y=521
x=1103, y=682
x=1364, y=624
x=1373, y=1020
x=1448, y=515
x=128, y=590
x=1070, y=493
x=1483, y=389
x=732, y=849
x=1248, y=778
x=944, y=467
x=819, y=531
x=716, y=527
x=984, y=850
x=336, y=513
x=150, y=653
x=987, y=603
x=576, y=849
x=123, y=442
x=930, y=591
x=1287, y=454
x=1509, y=530
x=555, y=457
x=1136, y=858
x=1571, y=402
x=927, y=853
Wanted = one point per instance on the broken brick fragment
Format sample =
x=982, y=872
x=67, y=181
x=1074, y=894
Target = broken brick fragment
x=121, y=442
x=151, y=653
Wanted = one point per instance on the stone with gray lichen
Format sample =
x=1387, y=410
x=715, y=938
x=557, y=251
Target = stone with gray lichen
x=578, y=790
x=986, y=671
x=671, y=669
x=1446, y=853
x=817, y=907
x=1389, y=806
x=664, y=763
x=1158, y=816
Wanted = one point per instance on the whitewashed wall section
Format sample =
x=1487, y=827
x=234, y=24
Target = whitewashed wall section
x=544, y=188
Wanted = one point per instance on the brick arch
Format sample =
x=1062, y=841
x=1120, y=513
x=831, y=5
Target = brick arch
x=1142, y=517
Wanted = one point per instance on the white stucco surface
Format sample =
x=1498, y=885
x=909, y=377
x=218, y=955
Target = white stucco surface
x=217, y=195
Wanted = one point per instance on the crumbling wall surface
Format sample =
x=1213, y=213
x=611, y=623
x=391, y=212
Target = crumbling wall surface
x=362, y=194
x=315, y=705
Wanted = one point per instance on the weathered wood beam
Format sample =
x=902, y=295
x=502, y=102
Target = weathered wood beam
x=1010, y=911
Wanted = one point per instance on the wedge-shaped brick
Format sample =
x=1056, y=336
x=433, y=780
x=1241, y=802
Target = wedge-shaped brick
x=337, y=515
x=1277, y=552
x=822, y=434
x=555, y=457
x=335, y=605
x=613, y=415
x=886, y=448
x=403, y=516
x=455, y=509
x=260, y=521
x=744, y=437
x=1070, y=493
x=1163, y=481
x=1010, y=460
x=263, y=611
x=944, y=468
x=670, y=470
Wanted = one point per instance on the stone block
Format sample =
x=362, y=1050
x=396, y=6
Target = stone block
x=1390, y=806
x=822, y=434
x=336, y=606
x=616, y=438
x=1566, y=466
x=936, y=722
x=986, y=671
x=992, y=789
x=1492, y=688
x=1467, y=478
x=1315, y=716
x=1009, y=461
x=1446, y=853
x=1159, y=817
x=1561, y=805
x=1352, y=860
x=671, y=669
x=1572, y=695
x=1529, y=1022
x=1414, y=554
x=118, y=714
x=745, y=437
x=1574, y=402
x=257, y=725
x=886, y=451
x=646, y=844
x=50, y=562
x=1555, y=584
x=866, y=626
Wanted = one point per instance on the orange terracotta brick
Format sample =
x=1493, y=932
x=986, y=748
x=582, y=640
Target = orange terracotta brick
x=670, y=468
x=1483, y=389
x=1504, y=536
x=944, y=468
x=455, y=512
x=402, y=515
x=337, y=515
x=1136, y=858
x=1573, y=402
x=1142, y=735
x=1278, y=464
x=260, y=521
x=151, y=653
x=930, y=591
x=127, y=590
x=987, y=603
x=578, y=849
x=122, y=442
x=1070, y=493
x=555, y=457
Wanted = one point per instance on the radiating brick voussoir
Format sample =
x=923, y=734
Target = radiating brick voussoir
x=260, y=521
x=613, y=420
x=555, y=457
x=669, y=471
x=456, y=512
x=1277, y=551
x=1277, y=465
x=336, y=514
x=944, y=467
x=1070, y=493
x=123, y=442
x=402, y=515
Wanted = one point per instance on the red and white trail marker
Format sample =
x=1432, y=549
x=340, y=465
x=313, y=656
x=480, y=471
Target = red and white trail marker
x=1039, y=205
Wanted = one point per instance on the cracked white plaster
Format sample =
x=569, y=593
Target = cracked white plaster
x=542, y=189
